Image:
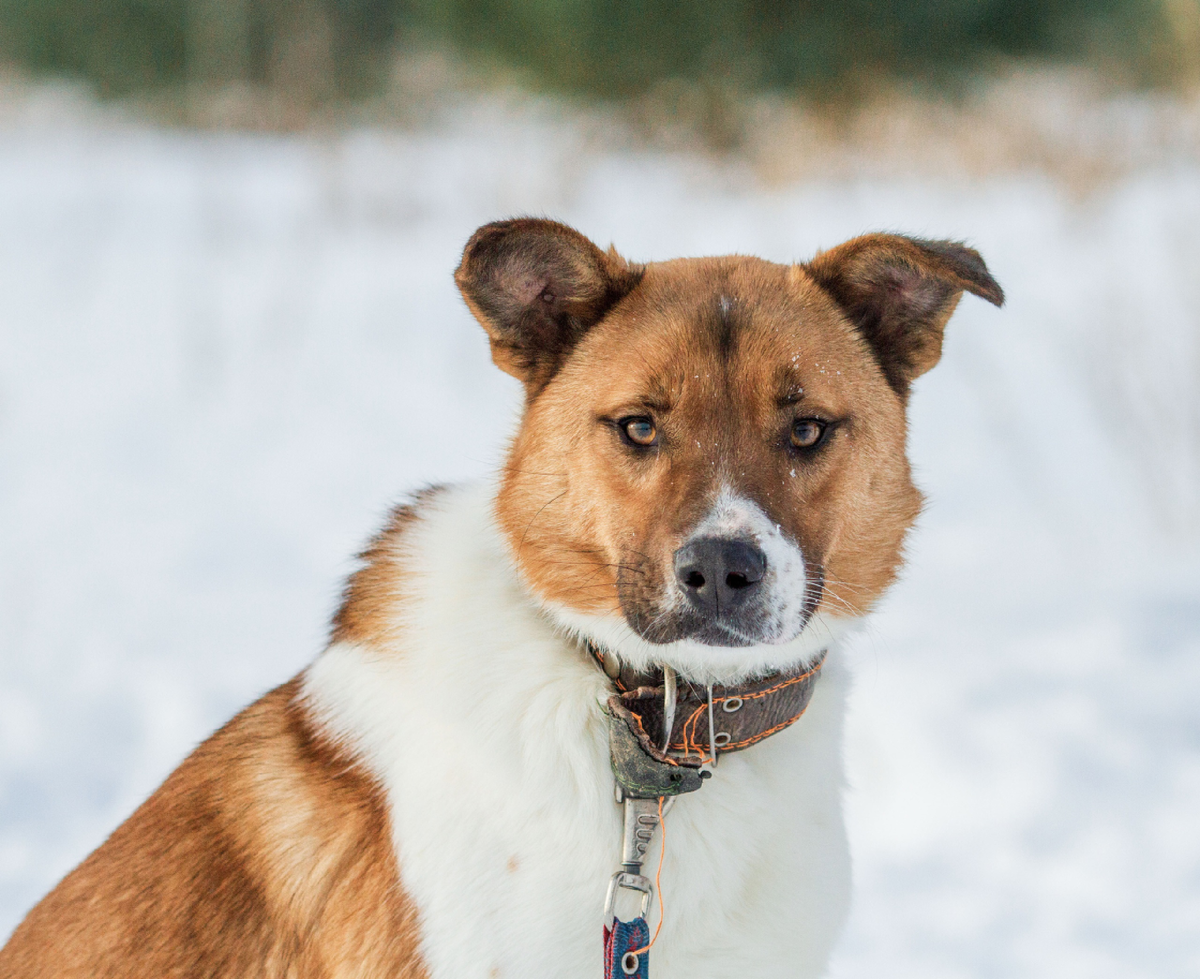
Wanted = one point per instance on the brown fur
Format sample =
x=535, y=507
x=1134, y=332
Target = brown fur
x=267, y=853
x=367, y=611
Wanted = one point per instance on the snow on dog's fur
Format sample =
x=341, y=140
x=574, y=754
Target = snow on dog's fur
x=710, y=473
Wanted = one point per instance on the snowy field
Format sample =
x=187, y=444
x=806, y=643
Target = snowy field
x=222, y=357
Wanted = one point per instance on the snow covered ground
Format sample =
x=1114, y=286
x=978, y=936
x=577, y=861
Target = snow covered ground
x=223, y=356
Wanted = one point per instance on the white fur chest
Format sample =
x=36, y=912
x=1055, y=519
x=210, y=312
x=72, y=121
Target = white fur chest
x=487, y=732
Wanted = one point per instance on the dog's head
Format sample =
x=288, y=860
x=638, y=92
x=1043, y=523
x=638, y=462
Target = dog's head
x=711, y=468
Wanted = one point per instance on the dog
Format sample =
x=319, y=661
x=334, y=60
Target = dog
x=707, y=489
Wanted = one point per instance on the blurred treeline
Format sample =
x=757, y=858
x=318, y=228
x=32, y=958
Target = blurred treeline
x=610, y=48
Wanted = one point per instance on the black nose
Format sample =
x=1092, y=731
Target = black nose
x=718, y=574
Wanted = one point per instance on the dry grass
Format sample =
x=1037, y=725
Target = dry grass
x=1070, y=124
x=1065, y=124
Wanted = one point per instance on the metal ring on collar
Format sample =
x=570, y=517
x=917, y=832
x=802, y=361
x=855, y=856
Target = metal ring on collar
x=723, y=738
x=629, y=963
x=730, y=704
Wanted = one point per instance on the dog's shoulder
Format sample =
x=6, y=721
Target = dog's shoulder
x=267, y=852
x=368, y=601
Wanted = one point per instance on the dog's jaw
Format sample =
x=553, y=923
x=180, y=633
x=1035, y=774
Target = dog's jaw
x=695, y=660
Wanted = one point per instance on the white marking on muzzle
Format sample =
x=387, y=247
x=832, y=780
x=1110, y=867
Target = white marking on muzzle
x=785, y=585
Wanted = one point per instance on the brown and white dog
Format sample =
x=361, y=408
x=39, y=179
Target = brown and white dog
x=432, y=797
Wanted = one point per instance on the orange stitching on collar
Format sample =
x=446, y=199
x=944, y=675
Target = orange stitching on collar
x=638, y=720
x=688, y=729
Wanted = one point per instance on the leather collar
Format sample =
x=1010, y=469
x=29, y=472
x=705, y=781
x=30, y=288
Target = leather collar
x=743, y=714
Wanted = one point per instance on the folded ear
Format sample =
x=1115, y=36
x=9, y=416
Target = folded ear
x=537, y=287
x=899, y=292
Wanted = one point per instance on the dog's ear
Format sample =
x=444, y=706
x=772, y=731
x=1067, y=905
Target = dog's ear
x=899, y=292
x=537, y=286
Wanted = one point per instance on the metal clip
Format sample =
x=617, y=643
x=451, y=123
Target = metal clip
x=712, y=729
x=669, y=701
x=641, y=820
x=629, y=882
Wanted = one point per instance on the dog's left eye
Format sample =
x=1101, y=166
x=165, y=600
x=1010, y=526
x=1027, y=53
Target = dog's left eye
x=808, y=433
x=638, y=430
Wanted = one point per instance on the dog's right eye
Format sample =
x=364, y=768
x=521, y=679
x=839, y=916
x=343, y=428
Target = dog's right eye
x=638, y=430
x=808, y=433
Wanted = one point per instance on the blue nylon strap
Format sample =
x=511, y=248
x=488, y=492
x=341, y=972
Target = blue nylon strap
x=624, y=937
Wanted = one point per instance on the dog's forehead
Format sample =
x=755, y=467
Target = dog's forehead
x=703, y=326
